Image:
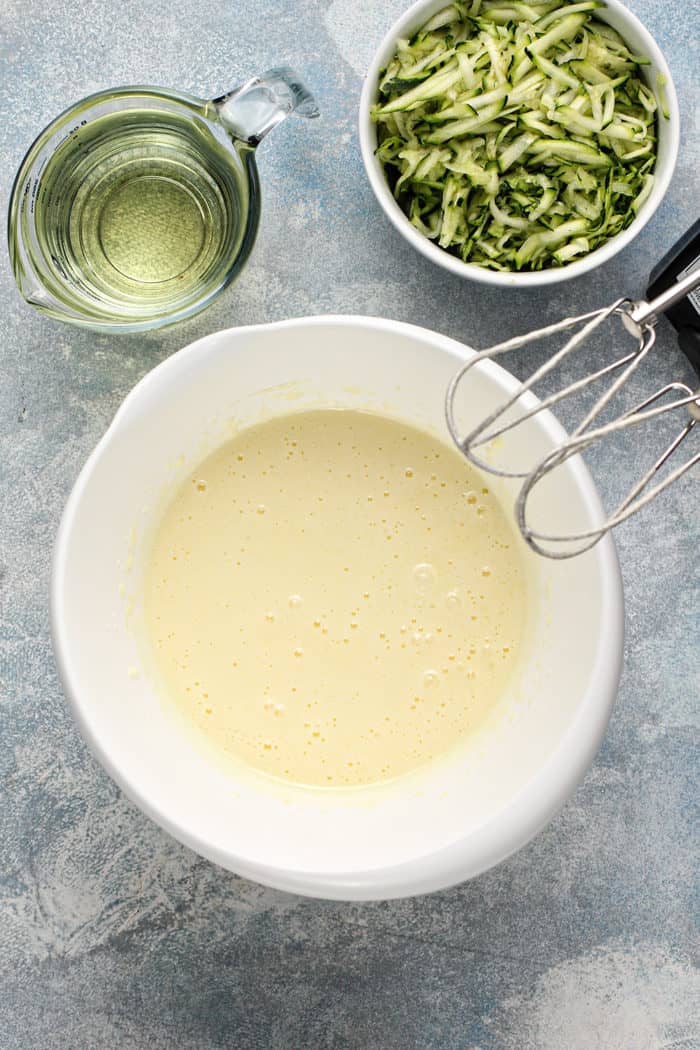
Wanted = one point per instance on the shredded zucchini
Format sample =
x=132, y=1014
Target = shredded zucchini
x=518, y=136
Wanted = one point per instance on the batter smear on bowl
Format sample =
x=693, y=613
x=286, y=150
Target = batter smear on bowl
x=335, y=598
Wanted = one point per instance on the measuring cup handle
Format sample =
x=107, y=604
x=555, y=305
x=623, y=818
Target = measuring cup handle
x=250, y=111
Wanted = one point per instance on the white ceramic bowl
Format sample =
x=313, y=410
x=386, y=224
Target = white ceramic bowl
x=425, y=831
x=641, y=41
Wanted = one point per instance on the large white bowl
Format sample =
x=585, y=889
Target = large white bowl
x=423, y=832
x=640, y=40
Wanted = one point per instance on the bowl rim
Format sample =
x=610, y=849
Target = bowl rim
x=411, y=20
x=518, y=820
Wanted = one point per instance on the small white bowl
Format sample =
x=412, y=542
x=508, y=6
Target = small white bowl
x=422, y=832
x=641, y=41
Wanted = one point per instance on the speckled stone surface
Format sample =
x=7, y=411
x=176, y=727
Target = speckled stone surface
x=111, y=934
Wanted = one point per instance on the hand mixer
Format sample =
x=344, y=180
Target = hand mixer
x=671, y=290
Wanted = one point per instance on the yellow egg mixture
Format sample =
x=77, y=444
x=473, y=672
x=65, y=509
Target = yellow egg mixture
x=335, y=598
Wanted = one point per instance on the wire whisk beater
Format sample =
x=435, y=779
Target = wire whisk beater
x=639, y=321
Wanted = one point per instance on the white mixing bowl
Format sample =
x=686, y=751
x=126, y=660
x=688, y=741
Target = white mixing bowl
x=425, y=831
x=641, y=42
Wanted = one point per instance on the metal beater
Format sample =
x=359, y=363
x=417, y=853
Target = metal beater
x=639, y=320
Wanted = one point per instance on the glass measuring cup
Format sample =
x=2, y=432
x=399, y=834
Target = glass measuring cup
x=137, y=206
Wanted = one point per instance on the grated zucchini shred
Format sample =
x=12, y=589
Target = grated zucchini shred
x=518, y=136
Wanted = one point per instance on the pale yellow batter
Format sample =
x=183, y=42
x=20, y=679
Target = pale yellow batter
x=335, y=598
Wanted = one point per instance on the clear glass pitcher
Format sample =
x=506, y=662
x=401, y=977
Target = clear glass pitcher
x=137, y=206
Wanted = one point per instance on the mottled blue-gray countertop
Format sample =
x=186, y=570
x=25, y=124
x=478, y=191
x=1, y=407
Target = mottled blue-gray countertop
x=114, y=936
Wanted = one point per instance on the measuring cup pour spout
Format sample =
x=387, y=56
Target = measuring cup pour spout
x=250, y=111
